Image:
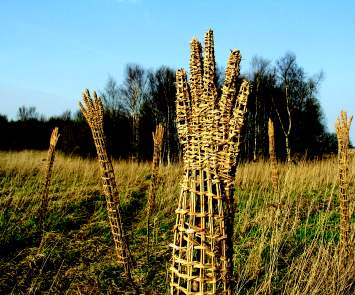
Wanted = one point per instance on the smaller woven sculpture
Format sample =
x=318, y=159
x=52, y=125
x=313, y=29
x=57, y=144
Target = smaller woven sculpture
x=93, y=111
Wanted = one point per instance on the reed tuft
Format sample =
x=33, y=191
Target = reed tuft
x=48, y=174
x=272, y=154
x=158, y=136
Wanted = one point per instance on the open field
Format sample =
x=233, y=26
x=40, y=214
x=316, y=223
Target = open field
x=285, y=242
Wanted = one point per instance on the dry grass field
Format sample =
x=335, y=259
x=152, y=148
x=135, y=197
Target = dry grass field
x=285, y=242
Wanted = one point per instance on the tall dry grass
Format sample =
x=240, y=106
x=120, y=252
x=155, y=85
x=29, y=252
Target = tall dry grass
x=284, y=243
x=295, y=241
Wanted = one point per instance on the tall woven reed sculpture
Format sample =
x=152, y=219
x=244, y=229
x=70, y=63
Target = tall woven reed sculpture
x=158, y=136
x=209, y=132
x=272, y=154
x=93, y=111
x=342, y=130
x=48, y=175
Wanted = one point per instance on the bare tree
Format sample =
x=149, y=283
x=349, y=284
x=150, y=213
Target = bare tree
x=162, y=93
x=288, y=72
x=26, y=113
x=261, y=73
x=111, y=95
x=133, y=93
x=296, y=89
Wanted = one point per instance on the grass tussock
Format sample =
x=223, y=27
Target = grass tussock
x=286, y=242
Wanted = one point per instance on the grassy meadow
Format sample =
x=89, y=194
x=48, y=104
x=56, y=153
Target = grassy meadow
x=286, y=242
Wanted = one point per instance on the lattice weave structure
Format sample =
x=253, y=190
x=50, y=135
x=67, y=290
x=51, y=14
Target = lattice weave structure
x=93, y=111
x=209, y=131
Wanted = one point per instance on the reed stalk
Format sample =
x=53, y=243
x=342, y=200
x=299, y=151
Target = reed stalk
x=48, y=175
x=272, y=154
x=343, y=124
x=158, y=144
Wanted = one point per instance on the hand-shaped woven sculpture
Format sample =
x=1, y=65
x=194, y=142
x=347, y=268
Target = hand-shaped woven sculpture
x=209, y=132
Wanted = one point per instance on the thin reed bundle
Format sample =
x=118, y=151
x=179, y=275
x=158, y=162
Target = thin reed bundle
x=158, y=136
x=48, y=174
x=272, y=154
x=343, y=124
x=209, y=131
x=93, y=111
x=158, y=144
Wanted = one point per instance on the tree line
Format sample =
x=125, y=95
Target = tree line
x=281, y=91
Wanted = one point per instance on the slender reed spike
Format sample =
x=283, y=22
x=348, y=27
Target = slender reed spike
x=272, y=154
x=48, y=173
x=158, y=144
x=342, y=129
x=93, y=111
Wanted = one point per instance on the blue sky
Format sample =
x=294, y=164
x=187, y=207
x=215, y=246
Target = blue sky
x=51, y=50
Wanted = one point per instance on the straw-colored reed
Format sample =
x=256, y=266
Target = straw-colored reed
x=158, y=136
x=272, y=154
x=48, y=174
x=343, y=124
